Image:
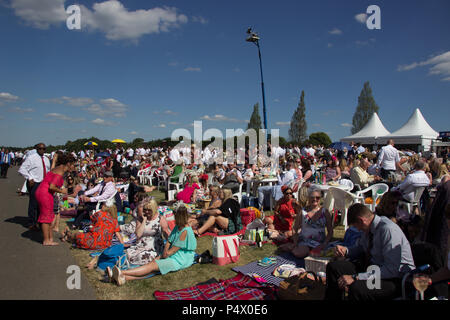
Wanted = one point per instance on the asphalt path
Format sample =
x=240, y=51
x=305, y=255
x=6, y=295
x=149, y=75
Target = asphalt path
x=30, y=271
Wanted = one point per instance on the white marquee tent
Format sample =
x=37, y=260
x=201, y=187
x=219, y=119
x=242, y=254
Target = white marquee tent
x=416, y=131
x=370, y=133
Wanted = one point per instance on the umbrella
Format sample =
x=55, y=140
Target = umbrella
x=118, y=141
x=103, y=154
x=91, y=143
x=340, y=145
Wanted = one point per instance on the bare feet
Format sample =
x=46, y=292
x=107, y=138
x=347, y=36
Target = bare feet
x=50, y=243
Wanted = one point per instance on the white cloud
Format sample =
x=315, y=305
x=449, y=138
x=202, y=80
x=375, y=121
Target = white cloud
x=102, y=122
x=276, y=100
x=75, y=102
x=236, y=70
x=330, y=45
x=108, y=107
x=440, y=65
x=173, y=64
x=8, y=97
x=317, y=125
x=118, y=23
x=335, y=31
x=174, y=123
x=108, y=17
x=220, y=117
x=361, y=17
x=171, y=112
x=161, y=125
x=192, y=69
x=283, y=123
x=21, y=110
x=134, y=132
x=199, y=19
x=40, y=14
x=62, y=117
x=347, y=125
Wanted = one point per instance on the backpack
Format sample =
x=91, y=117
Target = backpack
x=111, y=256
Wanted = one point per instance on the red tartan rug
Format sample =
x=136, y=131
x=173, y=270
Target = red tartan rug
x=241, y=287
x=212, y=234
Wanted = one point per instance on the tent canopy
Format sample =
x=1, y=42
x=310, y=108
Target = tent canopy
x=373, y=129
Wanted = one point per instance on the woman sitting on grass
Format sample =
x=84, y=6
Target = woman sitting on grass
x=286, y=209
x=179, y=253
x=104, y=227
x=149, y=228
x=309, y=228
x=189, y=193
x=227, y=217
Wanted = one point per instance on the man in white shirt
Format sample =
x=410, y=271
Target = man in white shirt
x=388, y=159
x=288, y=177
x=34, y=169
x=413, y=181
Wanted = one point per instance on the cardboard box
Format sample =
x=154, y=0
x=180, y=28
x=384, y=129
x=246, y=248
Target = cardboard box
x=316, y=264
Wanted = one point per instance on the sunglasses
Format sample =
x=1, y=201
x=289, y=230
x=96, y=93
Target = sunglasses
x=288, y=193
x=41, y=148
x=315, y=198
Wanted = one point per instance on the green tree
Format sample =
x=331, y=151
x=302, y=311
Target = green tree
x=255, y=119
x=317, y=138
x=365, y=109
x=297, y=131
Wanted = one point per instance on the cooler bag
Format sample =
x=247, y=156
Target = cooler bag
x=168, y=215
x=247, y=216
x=225, y=249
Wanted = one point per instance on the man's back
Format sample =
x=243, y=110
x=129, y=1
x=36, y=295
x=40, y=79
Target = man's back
x=389, y=156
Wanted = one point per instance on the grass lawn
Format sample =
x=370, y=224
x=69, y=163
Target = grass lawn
x=143, y=289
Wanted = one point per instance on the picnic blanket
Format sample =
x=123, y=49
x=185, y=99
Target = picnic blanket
x=213, y=234
x=240, y=287
x=266, y=272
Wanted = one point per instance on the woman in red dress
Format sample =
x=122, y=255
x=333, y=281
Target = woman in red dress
x=52, y=183
x=280, y=224
x=104, y=226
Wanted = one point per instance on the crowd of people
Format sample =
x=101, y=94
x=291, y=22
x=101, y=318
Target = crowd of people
x=96, y=187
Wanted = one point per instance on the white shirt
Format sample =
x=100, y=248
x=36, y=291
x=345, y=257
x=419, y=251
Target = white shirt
x=32, y=167
x=108, y=191
x=388, y=158
x=360, y=149
x=174, y=155
x=413, y=181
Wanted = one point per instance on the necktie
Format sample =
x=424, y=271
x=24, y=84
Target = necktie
x=43, y=166
x=369, y=248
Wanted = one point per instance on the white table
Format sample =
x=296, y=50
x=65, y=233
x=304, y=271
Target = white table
x=265, y=181
x=325, y=187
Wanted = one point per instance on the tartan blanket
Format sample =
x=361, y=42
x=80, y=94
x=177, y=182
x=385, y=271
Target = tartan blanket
x=212, y=234
x=240, y=287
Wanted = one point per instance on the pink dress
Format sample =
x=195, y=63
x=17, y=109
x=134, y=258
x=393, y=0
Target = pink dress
x=186, y=194
x=45, y=198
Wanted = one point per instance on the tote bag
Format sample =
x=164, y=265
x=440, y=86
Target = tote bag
x=225, y=249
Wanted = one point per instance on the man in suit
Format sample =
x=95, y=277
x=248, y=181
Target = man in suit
x=5, y=162
x=383, y=245
x=34, y=169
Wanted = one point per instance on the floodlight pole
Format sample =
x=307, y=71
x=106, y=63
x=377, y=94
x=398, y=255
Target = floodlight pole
x=255, y=39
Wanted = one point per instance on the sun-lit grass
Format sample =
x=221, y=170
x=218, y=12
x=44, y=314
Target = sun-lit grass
x=144, y=289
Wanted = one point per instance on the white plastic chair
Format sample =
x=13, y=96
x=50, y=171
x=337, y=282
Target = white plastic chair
x=100, y=203
x=148, y=176
x=341, y=200
x=179, y=184
x=238, y=194
x=141, y=175
x=410, y=205
x=378, y=190
x=162, y=178
x=348, y=183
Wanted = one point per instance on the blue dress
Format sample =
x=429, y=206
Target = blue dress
x=184, y=257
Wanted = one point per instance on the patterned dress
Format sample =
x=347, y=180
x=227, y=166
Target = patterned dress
x=312, y=233
x=101, y=234
x=149, y=246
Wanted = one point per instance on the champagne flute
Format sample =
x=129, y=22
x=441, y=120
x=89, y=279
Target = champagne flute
x=421, y=282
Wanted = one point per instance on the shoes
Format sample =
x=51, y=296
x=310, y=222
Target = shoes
x=204, y=258
x=118, y=277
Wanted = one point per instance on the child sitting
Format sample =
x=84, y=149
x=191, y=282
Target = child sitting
x=178, y=254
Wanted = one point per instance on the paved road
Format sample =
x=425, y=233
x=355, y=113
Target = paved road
x=28, y=269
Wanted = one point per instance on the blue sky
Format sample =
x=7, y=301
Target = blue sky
x=144, y=68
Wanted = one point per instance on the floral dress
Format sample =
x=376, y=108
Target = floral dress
x=149, y=246
x=100, y=235
x=312, y=233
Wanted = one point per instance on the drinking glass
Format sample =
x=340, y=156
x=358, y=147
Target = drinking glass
x=421, y=282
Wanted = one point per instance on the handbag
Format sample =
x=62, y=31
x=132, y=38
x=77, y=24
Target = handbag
x=302, y=288
x=225, y=249
x=112, y=256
